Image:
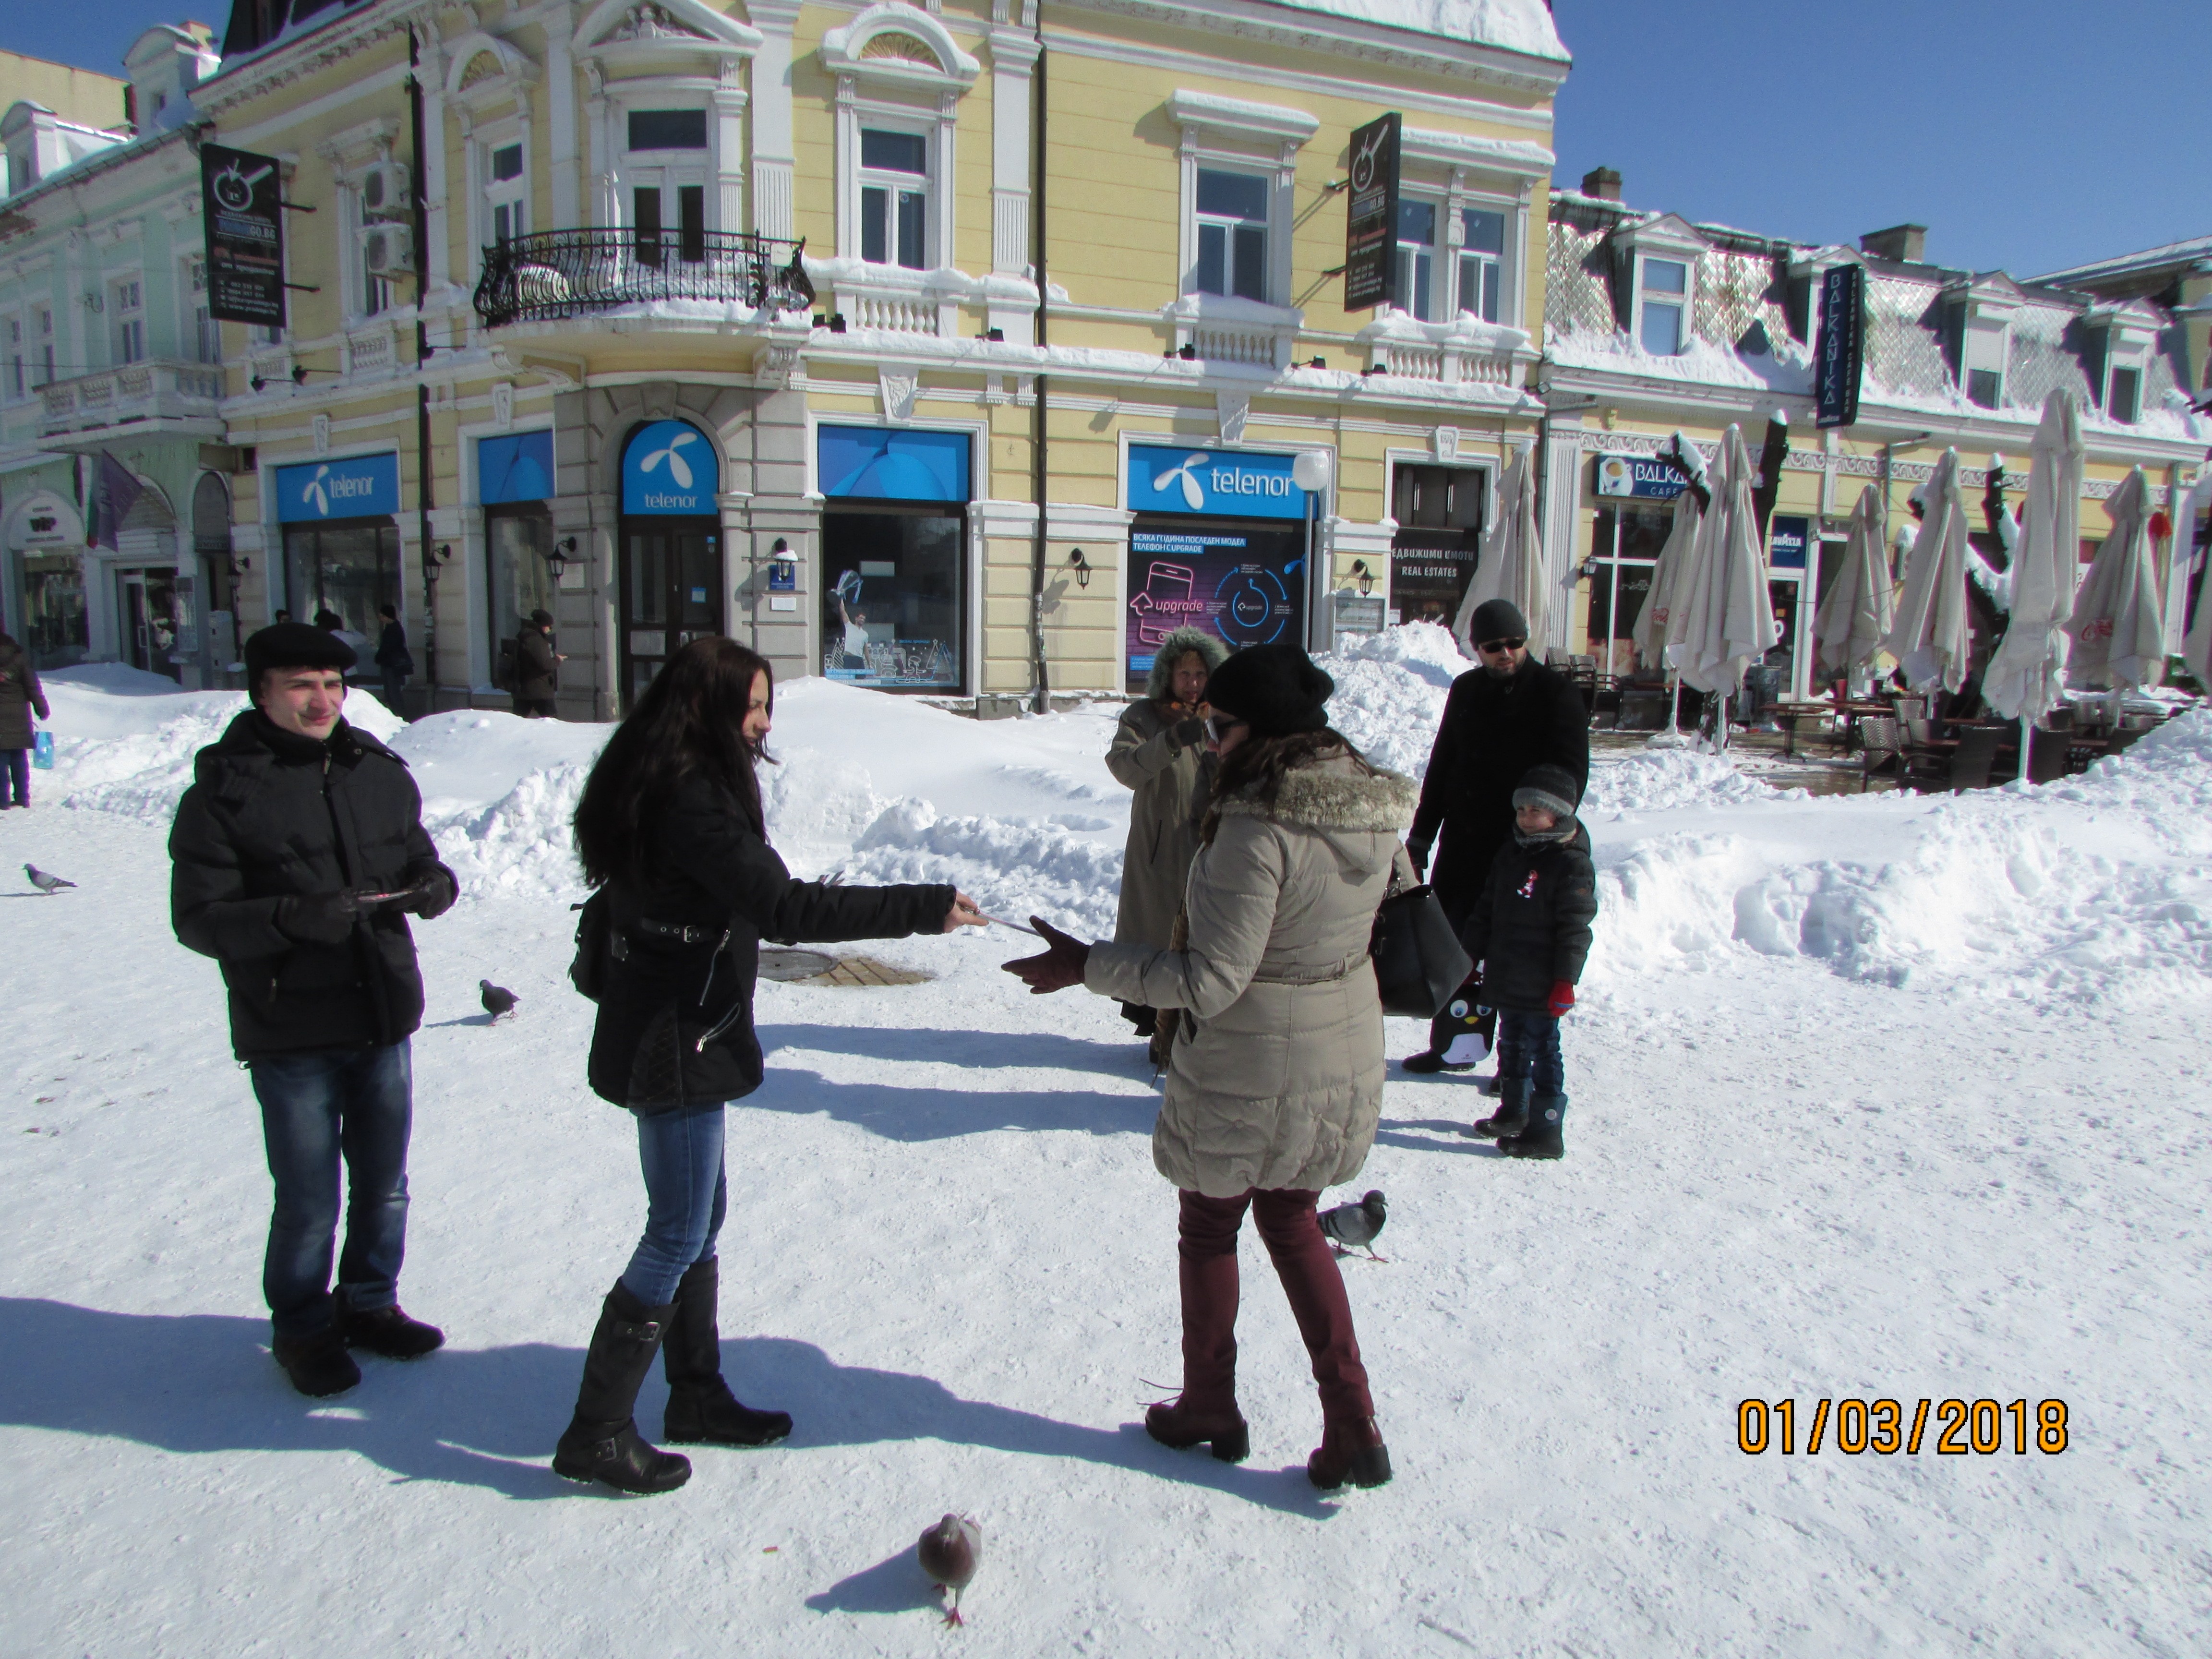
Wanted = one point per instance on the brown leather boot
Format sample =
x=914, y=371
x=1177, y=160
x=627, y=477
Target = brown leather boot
x=1351, y=1449
x=1207, y=1408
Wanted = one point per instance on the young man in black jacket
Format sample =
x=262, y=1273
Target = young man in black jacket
x=295, y=855
x=1505, y=715
x=1530, y=934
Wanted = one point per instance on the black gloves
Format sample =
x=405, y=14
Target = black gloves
x=430, y=894
x=317, y=918
x=1418, y=851
x=1189, y=734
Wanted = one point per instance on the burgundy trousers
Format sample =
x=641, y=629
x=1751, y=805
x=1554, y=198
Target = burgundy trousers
x=1206, y=1248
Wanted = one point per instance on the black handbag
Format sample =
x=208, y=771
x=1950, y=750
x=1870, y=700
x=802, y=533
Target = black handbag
x=1418, y=960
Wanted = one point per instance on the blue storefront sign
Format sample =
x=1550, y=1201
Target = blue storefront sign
x=669, y=467
x=360, y=487
x=1638, y=476
x=514, y=466
x=1217, y=483
x=1787, y=541
x=884, y=464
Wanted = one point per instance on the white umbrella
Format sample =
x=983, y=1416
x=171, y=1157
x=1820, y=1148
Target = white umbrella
x=1512, y=563
x=2196, y=643
x=2118, y=627
x=1854, y=617
x=1928, y=635
x=1725, y=621
x=2027, y=677
x=1650, y=635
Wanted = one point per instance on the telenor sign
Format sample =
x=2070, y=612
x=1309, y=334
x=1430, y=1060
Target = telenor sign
x=1214, y=482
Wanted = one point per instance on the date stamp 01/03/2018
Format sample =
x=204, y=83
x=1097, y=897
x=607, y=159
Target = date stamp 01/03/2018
x=1853, y=1426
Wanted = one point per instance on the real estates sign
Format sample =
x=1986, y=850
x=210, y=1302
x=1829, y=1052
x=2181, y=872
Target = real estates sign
x=1371, y=226
x=244, y=221
x=1839, y=353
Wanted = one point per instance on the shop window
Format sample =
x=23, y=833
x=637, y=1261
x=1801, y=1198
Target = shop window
x=1482, y=261
x=894, y=198
x=1231, y=235
x=2124, y=401
x=518, y=541
x=1439, y=512
x=1664, y=300
x=506, y=193
x=57, y=631
x=1416, y=260
x=668, y=128
x=348, y=569
x=129, y=299
x=1625, y=544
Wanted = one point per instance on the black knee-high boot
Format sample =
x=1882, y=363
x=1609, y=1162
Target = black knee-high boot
x=602, y=1442
x=700, y=1404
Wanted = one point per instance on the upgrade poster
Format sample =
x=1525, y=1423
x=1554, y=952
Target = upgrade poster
x=1245, y=583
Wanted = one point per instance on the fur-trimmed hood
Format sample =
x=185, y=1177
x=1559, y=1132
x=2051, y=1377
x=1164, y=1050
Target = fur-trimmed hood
x=1334, y=795
x=1208, y=646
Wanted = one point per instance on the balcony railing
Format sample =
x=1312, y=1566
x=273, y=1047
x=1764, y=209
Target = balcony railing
x=136, y=391
x=555, y=274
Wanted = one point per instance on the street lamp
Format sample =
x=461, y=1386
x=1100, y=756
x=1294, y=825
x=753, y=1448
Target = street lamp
x=556, y=560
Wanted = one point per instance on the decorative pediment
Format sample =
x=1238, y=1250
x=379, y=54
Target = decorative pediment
x=483, y=68
x=619, y=31
x=898, y=45
x=1667, y=234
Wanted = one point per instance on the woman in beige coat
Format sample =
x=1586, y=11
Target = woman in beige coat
x=1275, y=1081
x=1159, y=751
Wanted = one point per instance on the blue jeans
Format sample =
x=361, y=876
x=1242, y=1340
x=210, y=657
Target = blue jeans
x=1528, y=1045
x=17, y=776
x=317, y=1110
x=685, y=1197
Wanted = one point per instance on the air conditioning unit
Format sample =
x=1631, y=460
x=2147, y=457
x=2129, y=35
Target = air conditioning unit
x=387, y=250
x=387, y=190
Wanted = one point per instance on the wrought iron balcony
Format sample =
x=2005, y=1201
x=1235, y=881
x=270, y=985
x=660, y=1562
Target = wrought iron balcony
x=555, y=274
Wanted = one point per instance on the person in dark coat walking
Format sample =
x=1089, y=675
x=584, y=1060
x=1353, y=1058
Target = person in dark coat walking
x=1501, y=718
x=296, y=854
x=1529, y=932
x=20, y=697
x=671, y=831
x=393, y=657
x=537, y=667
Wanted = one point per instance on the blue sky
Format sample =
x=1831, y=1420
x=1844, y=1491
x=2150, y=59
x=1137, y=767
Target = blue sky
x=2025, y=134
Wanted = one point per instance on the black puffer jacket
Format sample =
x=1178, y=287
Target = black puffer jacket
x=271, y=815
x=676, y=1016
x=1492, y=731
x=1530, y=927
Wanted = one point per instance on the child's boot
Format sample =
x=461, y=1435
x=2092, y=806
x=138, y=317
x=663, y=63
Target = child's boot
x=1511, y=1117
x=1541, y=1137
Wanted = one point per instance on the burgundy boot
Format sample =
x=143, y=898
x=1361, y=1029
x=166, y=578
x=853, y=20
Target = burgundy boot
x=1207, y=1408
x=1352, y=1447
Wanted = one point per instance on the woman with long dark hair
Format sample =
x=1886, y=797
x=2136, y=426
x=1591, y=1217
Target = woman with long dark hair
x=1274, y=1079
x=671, y=829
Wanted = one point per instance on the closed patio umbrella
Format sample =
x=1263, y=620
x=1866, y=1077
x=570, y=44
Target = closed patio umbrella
x=1651, y=637
x=1854, y=616
x=2027, y=677
x=1512, y=564
x=2196, y=638
x=2118, y=624
x=1928, y=635
x=1724, y=621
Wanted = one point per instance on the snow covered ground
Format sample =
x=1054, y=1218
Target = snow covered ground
x=1882, y=1097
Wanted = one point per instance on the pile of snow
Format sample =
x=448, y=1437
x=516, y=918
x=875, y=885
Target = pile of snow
x=1390, y=691
x=1659, y=779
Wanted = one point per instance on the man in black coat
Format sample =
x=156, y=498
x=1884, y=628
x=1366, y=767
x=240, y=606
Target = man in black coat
x=537, y=667
x=1508, y=714
x=296, y=854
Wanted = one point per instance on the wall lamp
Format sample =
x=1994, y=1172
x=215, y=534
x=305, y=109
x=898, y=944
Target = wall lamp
x=433, y=562
x=556, y=560
x=1365, y=576
x=992, y=334
x=1081, y=566
x=300, y=373
x=1318, y=362
x=1188, y=353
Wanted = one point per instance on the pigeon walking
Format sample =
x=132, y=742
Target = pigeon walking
x=1355, y=1223
x=498, y=1000
x=949, y=1552
x=46, y=883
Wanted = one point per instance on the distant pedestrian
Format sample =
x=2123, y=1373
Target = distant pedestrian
x=1506, y=714
x=20, y=697
x=296, y=854
x=537, y=667
x=1159, y=751
x=1529, y=934
x=671, y=831
x=393, y=657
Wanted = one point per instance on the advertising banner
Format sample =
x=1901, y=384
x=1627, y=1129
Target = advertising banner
x=514, y=466
x=669, y=467
x=360, y=487
x=889, y=463
x=1639, y=475
x=1787, y=541
x=1839, y=353
x=245, y=228
x=1244, y=583
x=1371, y=224
x=1212, y=482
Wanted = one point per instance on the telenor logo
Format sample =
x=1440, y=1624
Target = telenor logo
x=679, y=469
x=315, y=495
x=1192, y=494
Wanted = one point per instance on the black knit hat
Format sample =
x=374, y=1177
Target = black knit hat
x=1552, y=787
x=542, y=618
x=1273, y=688
x=1497, y=619
x=295, y=645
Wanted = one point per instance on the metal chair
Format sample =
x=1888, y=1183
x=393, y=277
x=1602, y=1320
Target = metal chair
x=1879, y=746
x=1976, y=754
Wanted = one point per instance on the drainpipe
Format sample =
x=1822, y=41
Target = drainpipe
x=1040, y=482
x=422, y=480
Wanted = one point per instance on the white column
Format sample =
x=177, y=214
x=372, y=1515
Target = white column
x=564, y=140
x=1013, y=68
x=438, y=257
x=728, y=103
x=770, y=110
x=1560, y=503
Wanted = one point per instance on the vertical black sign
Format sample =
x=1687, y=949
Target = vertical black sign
x=1370, y=227
x=1839, y=353
x=238, y=201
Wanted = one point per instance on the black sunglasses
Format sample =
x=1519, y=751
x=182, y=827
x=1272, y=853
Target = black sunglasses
x=1219, y=726
x=1511, y=644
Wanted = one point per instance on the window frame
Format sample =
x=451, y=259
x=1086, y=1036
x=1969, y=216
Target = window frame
x=899, y=186
x=126, y=333
x=1198, y=222
x=199, y=333
x=1683, y=304
x=935, y=125
x=17, y=386
x=46, y=359
x=1405, y=256
x=1501, y=286
x=494, y=193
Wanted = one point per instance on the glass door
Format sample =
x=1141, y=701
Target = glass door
x=671, y=582
x=149, y=606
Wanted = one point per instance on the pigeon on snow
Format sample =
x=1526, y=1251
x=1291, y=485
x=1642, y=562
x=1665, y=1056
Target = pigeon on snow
x=1355, y=1223
x=45, y=882
x=949, y=1552
x=498, y=1000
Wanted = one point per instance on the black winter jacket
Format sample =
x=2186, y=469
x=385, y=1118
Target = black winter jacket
x=676, y=1016
x=537, y=675
x=1492, y=731
x=270, y=815
x=391, y=650
x=21, y=694
x=1530, y=926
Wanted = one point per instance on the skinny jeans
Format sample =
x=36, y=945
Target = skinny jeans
x=1528, y=1047
x=686, y=1195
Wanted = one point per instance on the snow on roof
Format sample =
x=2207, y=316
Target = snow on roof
x=1522, y=26
x=2197, y=248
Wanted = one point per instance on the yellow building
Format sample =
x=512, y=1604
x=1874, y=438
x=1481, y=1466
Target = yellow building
x=728, y=320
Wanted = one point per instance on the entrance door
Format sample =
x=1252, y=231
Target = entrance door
x=671, y=588
x=149, y=610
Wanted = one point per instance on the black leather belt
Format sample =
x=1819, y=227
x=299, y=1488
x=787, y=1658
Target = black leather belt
x=669, y=930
